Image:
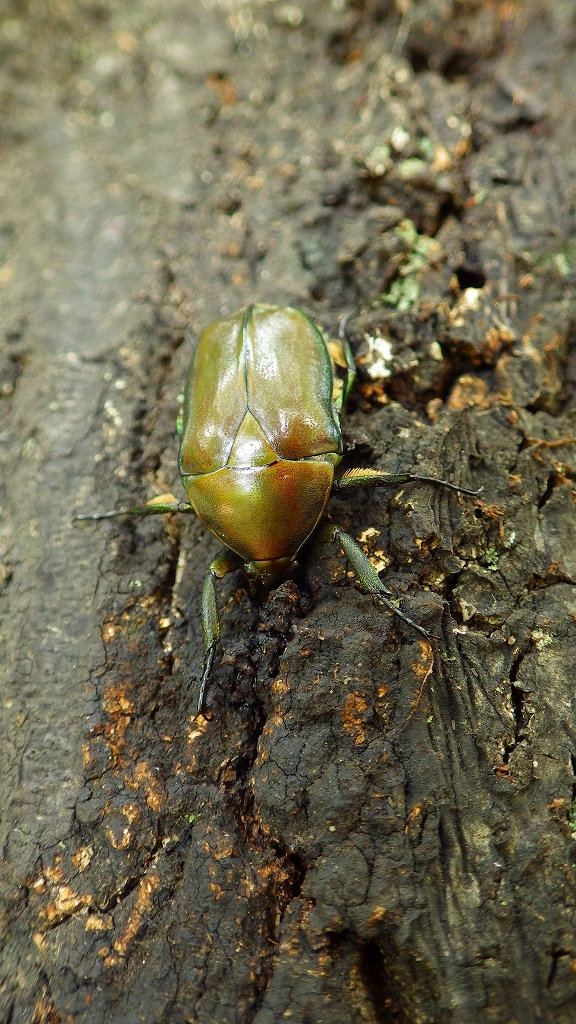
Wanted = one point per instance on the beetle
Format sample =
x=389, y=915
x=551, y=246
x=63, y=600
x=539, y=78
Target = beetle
x=260, y=439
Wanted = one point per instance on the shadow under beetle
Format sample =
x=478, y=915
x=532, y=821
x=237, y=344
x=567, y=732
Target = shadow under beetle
x=260, y=438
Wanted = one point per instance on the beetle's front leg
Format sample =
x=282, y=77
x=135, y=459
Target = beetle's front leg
x=368, y=576
x=355, y=478
x=224, y=563
x=156, y=506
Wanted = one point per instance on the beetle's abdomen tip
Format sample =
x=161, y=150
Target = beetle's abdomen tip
x=265, y=576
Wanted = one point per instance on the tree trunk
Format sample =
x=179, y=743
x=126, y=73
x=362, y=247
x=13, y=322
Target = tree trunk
x=358, y=828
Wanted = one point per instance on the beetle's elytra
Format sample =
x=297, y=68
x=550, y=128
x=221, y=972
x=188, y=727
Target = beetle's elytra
x=260, y=440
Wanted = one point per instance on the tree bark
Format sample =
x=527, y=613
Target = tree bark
x=359, y=828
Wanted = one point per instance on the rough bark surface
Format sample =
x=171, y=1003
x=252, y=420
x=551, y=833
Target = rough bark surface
x=355, y=831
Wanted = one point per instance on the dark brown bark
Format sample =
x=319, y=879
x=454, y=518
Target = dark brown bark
x=353, y=832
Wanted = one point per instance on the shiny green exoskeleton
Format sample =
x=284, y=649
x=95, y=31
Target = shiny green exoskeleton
x=260, y=440
x=261, y=435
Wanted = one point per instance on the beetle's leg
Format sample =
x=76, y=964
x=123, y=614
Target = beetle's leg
x=341, y=357
x=224, y=563
x=349, y=358
x=354, y=478
x=156, y=506
x=367, y=574
x=350, y=370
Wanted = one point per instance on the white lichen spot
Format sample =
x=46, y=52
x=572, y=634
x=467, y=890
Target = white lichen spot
x=112, y=413
x=541, y=639
x=435, y=351
x=411, y=169
x=562, y=265
x=380, y=353
x=399, y=138
x=471, y=298
x=378, y=162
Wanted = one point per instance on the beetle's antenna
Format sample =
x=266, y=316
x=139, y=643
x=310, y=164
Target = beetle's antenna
x=404, y=27
x=190, y=334
x=344, y=323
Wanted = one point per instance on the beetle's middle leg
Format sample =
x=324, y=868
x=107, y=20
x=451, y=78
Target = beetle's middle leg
x=225, y=562
x=355, y=478
x=367, y=574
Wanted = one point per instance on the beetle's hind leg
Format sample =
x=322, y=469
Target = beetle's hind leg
x=369, y=578
x=224, y=563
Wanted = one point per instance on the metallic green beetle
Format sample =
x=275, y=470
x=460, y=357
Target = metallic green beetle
x=260, y=439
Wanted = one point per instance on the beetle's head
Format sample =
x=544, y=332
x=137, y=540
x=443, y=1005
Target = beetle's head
x=266, y=576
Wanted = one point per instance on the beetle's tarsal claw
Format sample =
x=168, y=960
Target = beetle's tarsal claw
x=209, y=661
x=156, y=506
x=100, y=515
